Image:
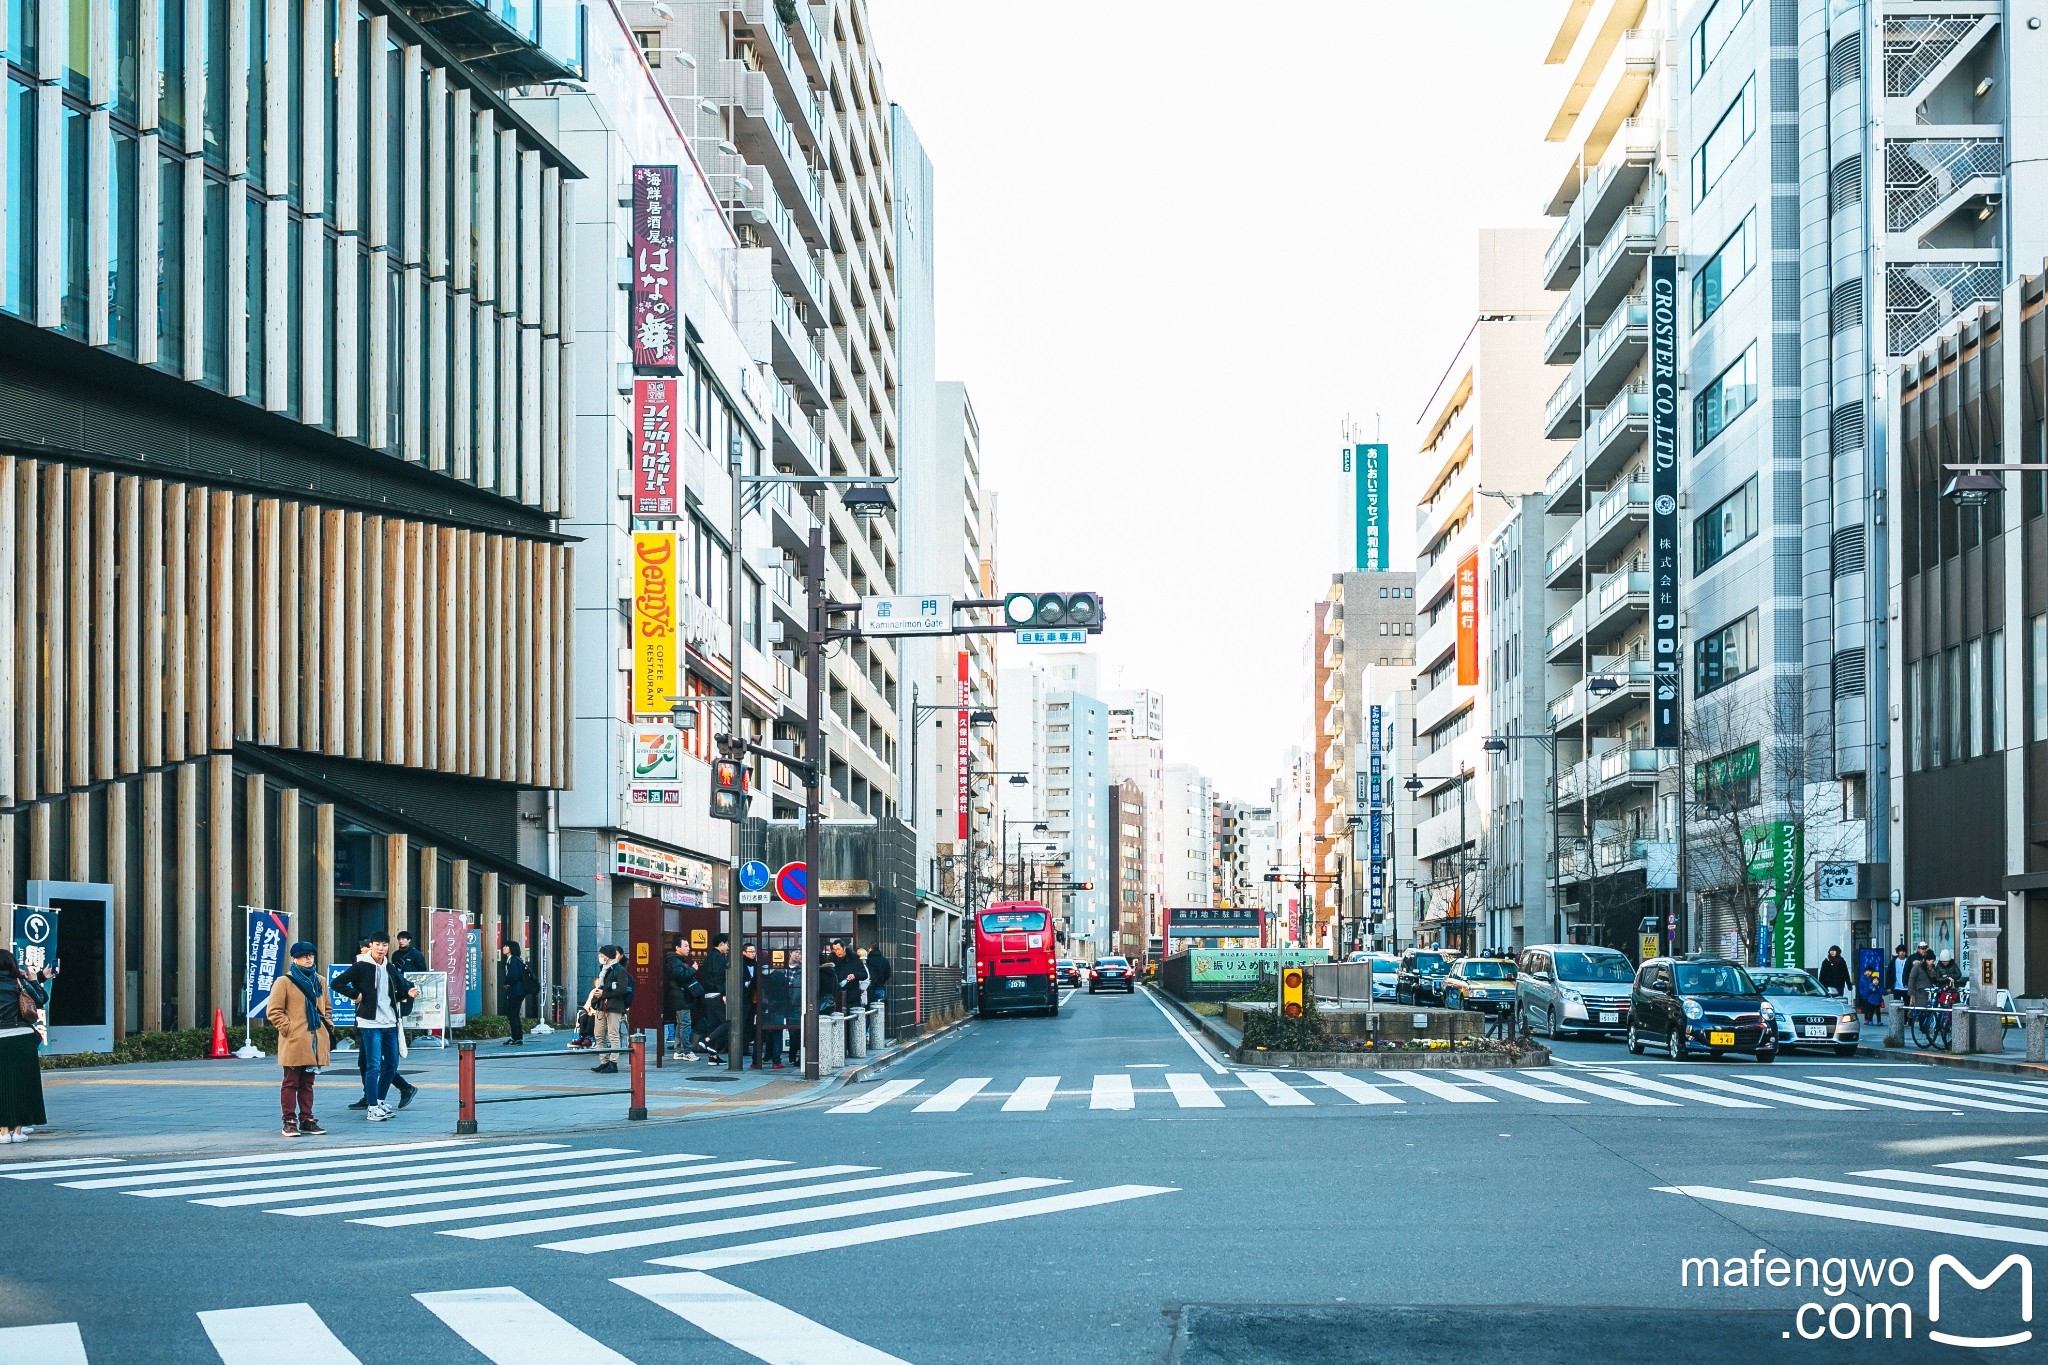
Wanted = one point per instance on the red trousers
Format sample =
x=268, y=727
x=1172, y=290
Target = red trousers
x=297, y=1092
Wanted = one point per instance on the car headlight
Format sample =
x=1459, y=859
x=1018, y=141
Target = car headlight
x=1769, y=1015
x=1693, y=1010
x=1568, y=994
x=1847, y=1021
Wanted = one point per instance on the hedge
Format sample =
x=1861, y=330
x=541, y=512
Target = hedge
x=193, y=1044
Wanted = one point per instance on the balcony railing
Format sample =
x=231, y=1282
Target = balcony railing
x=1565, y=551
x=1632, y=316
x=1619, y=499
x=1565, y=627
x=1564, y=247
x=1564, y=476
x=1616, y=764
x=1566, y=394
x=1617, y=587
x=1630, y=402
x=1564, y=709
x=1636, y=229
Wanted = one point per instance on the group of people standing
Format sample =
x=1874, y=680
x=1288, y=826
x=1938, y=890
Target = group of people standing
x=1917, y=975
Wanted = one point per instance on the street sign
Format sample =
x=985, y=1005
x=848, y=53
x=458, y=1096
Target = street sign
x=1065, y=635
x=753, y=875
x=753, y=898
x=931, y=615
x=791, y=883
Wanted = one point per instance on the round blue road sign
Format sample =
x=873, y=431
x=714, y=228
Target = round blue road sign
x=791, y=883
x=753, y=875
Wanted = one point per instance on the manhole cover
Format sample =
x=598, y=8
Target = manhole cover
x=724, y=1079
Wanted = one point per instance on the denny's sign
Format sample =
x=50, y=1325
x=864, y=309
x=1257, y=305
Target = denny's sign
x=657, y=637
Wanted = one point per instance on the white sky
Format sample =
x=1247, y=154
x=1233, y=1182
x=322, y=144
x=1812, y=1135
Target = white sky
x=1177, y=245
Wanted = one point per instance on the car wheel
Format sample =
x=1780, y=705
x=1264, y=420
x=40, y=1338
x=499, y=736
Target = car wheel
x=1553, y=1023
x=1845, y=1050
x=1635, y=1047
x=1674, y=1046
x=1767, y=1056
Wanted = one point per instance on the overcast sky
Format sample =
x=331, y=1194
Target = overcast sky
x=1177, y=245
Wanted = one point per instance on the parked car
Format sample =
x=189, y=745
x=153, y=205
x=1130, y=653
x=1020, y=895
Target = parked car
x=1386, y=971
x=1566, y=988
x=1807, y=1015
x=1690, y=1005
x=1485, y=984
x=1112, y=974
x=1419, y=980
x=1069, y=971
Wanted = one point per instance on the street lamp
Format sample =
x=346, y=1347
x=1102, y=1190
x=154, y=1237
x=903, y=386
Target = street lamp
x=867, y=500
x=1463, y=777
x=1497, y=743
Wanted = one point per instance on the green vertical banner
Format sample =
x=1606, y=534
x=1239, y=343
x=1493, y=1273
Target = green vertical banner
x=1789, y=872
x=1374, y=516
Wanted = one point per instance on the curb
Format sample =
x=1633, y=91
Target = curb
x=876, y=1066
x=1209, y=1028
x=1958, y=1061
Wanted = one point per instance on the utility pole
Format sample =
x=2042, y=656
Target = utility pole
x=814, y=750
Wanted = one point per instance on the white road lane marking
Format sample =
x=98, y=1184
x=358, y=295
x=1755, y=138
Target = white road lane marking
x=1850, y=1213
x=2000, y=1168
x=1191, y=1091
x=1982, y=1089
x=337, y=1162
x=954, y=1095
x=38, y=1170
x=1111, y=1092
x=782, y=1218
x=508, y=1328
x=251, y=1336
x=762, y=1328
x=1437, y=1086
x=1683, y=1092
x=1815, y=1086
x=1756, y=1092
x=1272, y=1089
x=622, y=1173
x=1356, y=1090
x=1608, y=1092
x=1917, y=1198
x=1954, y=1182
x=267, y=1190
x=53, y=1343
x=1520, y=1087
x=1034, y=1094
x=1186, y=1037
x=489, y=1232
x=471, y=1212
x=750, y=1252
x=1935, y=1093
x=874, y=1099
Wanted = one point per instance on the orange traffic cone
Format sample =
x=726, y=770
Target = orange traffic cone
x=220, y=1037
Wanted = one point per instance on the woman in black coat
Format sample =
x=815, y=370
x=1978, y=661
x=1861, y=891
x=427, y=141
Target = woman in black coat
x=22, y=999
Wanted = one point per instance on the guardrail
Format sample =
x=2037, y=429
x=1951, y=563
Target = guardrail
x=1964, y=1029
x=466, y=1101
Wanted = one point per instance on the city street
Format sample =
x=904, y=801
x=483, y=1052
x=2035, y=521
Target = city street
x=1097, y=1186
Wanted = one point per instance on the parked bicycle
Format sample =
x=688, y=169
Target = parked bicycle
x=1932, y=1025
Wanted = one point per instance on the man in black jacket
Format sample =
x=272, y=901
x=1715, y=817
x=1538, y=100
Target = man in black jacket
x=613, y=995
x=879, y=971
x=382, y=997
x=711, y=976
x=515, y=983
x=681, y=996
x=406, y=956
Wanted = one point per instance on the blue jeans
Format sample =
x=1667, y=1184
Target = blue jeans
x=380, y=1061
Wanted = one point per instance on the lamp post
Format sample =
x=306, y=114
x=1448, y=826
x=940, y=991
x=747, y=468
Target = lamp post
x=1463, y=777
x=1037, y=827
x=977, y=717
x=1498, y=743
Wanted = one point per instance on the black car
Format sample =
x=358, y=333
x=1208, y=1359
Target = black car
x=1112, y=974
x=1069, y=971
x=1420, y=981
x=1688, y=1006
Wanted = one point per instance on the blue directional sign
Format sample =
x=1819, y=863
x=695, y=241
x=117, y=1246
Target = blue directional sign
x=791, y=883
x=753, y=876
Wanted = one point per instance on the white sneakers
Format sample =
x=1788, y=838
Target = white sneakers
x=13, y=1137
x=379, y=1112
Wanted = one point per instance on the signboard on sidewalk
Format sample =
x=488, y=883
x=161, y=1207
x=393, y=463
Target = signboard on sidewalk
x=344, y=1009
x=448, y=953
x=430, y=1011
x=269, y=938
x=1245, y=964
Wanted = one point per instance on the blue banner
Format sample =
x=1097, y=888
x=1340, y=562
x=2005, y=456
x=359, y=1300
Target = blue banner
x=1373, y=509
x=343, y=1007
x=270, y=937
x=473, y=982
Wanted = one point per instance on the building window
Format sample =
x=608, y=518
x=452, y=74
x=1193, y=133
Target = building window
x=252, y=309
x=1727, y=398
x=18, y=286
x=1727, y=526
x=2037, y=678
x=213, y=112
x=650, y=44
x=74, y=214
x=1730, y=781
x=122, y=267
x=1720, y=148
x=1728, y=267
x=1712, y=35
x=1727, y=654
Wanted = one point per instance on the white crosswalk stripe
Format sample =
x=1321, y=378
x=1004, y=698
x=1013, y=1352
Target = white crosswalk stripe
x=1523, y=1088
x=508, y=1328
x=56, y=1343
x=1112, y=1092
x=1035, y=1093
x=1837, y=1091
x=1979, y=1089
x=1948, y=1100
x=1606, y=1092
x=1439, y=1087
x=249, y=1336
x=259, y=1191
x=1272, y=1089
x=875, y=1097
x=1684, y=1092
x=1758, y=1093
x=1192, y=1091
x=534, y=1227
x=617, y=1173
x=698, y=1178
x=954, y=1095
x=1356, y=1090
x=763, y=1329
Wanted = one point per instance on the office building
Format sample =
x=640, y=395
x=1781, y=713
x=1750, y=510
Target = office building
x=1512, y=898
x=1127, y=870
x=1137, y=753
x=1188, y=836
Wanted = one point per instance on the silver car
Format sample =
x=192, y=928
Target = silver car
x=1808, y=1017
x=1566, y=988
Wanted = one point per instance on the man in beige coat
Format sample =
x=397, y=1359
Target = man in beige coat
x=299, y=1010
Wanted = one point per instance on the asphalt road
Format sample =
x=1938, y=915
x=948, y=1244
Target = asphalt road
x=1093, y=1187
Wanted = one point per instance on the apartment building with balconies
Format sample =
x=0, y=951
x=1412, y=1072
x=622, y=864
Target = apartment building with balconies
x=1480, y=441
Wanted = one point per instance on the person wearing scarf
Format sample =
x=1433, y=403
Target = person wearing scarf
x=299, y=1011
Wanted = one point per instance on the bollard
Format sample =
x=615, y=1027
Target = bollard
x=1894, y=1023
x=2036, y=1024
x=856, y=1024
x=465, y=1089
x=831, y=1044
x=1962, y=1031
x=878, y=1033
x=637, y=1102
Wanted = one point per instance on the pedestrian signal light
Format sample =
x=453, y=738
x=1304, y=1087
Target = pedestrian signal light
x=1052, y=610
x=1291, y=982
x=728, y=790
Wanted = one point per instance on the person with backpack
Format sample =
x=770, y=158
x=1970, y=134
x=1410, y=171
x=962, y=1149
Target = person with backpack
x=515, y=983
x=23, y=998
x=613, y=996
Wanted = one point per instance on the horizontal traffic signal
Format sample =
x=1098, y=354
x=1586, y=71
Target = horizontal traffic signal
x=1053, y=611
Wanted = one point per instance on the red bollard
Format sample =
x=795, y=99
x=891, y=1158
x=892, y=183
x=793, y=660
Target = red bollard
x=637, y=1106
x=465, y=1089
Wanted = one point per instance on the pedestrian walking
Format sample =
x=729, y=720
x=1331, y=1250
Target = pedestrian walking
x=407, y=957
x=828, y=983
x=298, y=1009
x=1895, y=974
x=711, y=974
x=23, y=996
x=1834, y=973
x=382, y=998
x=613, y=996
x=879, y=972
x=515, y=983
x=1920, y=980
x=680, y=993
x=781, y=1011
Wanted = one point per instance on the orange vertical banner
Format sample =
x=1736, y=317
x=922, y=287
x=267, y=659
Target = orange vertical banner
x=1468, y=620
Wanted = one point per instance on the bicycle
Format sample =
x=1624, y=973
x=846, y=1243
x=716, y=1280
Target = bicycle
x=1501, y=1024
x=1933, y=1025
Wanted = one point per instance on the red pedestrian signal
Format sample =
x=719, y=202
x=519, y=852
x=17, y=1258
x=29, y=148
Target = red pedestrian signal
x=728, y=790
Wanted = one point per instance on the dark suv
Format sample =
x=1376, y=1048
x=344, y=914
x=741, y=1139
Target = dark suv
x=1421, y=978
x=1690, y=1005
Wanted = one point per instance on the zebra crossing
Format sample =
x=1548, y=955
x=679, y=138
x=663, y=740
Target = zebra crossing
x=2005, y=1200
x=1584, y=1087
x=502, y=1324
x=588, y=1200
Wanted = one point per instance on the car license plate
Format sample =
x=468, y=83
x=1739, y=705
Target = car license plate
x=1814, y=1031
x=1609, y=1017
x=1721, y=1039
x=1015, y=983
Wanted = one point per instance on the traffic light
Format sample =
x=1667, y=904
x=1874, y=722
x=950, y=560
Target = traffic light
x=728, y=789
x=1053, y=611
x=1292, y=980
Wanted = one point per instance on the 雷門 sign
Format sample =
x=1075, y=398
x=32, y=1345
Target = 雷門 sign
x=657, y=260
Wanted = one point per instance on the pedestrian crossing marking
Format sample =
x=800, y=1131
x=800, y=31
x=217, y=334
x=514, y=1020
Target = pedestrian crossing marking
x=954, y=1095
x=18, y=1170
x=1542, y=1094
x=1607, y=1092
x=1683, y=1092
x=875, y=1097
x=56, y=1343
x=679, y=1182
x=334, y=1159
x=1852, y=1213
x=211, y=1163
x=822, y=1213
x=1757, y=1093
x=1272, y=1089
x=1918, y=1198
x=508, y=1328
x=1112, y=1092
x=1034, y=1094
x=1998, y=1168
x=1439, y=1087
x=1836, y=1091
x=617, y=1173
x=762, y=1328
x=531, y=1227
x=1953, y=1182
x=253, y=1336
x=1192, y=1091
x=1948, y=1101
x=254, y=1191
x=1971, y=1085
x=1352, y=1088
x=748, y=1254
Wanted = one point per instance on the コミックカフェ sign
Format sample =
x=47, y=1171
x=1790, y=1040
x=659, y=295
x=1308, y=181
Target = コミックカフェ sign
x=1664, y=501
x=654, y=429
x=657, y=262
x=657, y=644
